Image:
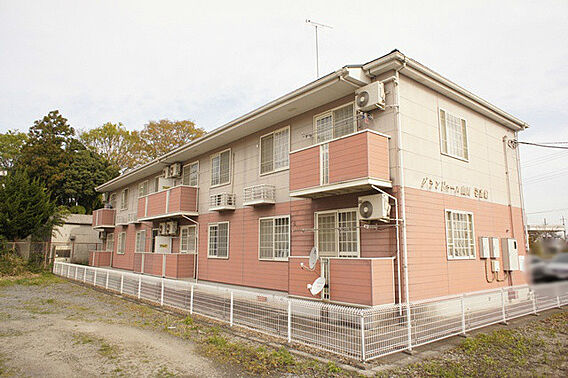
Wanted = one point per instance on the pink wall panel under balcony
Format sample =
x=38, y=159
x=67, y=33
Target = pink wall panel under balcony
x=176, y=200
x=99, y=258
x=103, y=217
x=183, y=199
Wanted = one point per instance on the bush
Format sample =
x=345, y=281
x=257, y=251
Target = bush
x=78, y=210
x=11, y=264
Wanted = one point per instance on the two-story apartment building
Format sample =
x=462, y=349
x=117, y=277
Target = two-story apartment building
x=246, y=203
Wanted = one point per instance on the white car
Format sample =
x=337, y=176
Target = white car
x=558, y=267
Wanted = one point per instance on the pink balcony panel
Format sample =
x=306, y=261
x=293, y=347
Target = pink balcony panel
x=99, y=258
x=170, y=202
x=103, y=218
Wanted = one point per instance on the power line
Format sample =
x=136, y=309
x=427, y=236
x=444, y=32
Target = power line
x=543, y=145
x=547, y=211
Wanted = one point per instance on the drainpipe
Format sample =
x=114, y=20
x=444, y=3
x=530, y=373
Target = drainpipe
x=523, y=210
x=509, y=196
x=196, y=255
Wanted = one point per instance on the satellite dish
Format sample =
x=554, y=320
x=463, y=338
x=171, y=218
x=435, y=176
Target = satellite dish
x=313, y=258
x=317, y=286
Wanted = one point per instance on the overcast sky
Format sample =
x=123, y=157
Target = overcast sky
x=211, y=61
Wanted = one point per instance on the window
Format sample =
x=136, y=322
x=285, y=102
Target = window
x=221, y=168
x=453, y=135
x=324, y=164
x=187, y=243
x=155, y=184
x=121, y=243
x=110, y=242
x=219, y=240
x=113, y=201
x=140, y=241
x=337, y=233
x=335, y=123
x=275, y=151
x=190, y=174
x=459, y=235
x=143, y=189
x=274, y=238
x=124, y=199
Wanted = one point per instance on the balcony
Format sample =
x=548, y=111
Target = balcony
x=173, y=202
x=349, y=164
x=263, y=194
x=103, y=218
x=124, y=219
x=222, y=202
x=169, y=265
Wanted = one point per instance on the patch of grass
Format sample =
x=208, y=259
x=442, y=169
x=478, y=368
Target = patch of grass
x=82, y=338
x=4, y=316
x=164, y=372
x=108, y=351
x=41, y=279
x=10, y=332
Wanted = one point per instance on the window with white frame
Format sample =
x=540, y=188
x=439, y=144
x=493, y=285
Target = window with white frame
x=275, y=151
x=218, y=240
x=143, y=189
x=121, y=248
x=221, y=168
x=110, y=242
x=124, y=199
x=335, y=123
x=187, y=239
x=274, y=238
x=113, y=200
x=453, y=135
x=460, y=240
x=337, y=233
x=140, y=241
x=190, y=174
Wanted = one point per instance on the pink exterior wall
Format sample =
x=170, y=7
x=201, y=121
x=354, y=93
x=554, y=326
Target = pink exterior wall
x=103, y=217
x=156, y=204
x=430, y=272
x=183, y=199
x=99, y=258
x=126, y=260
x=362, y=155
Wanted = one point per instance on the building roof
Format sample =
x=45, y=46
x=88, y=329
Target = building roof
x=323, y=90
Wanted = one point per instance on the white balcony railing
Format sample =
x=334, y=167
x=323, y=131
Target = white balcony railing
x=259, y=195
x=126, y=218
x=222, y=201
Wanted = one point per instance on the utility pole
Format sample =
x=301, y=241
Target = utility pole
x=317, y=25
x=564, y=224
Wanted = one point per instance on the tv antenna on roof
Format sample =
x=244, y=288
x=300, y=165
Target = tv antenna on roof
x=317, y=25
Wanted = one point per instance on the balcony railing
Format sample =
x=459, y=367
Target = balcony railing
x=123, y=219
x=259, y=195
x=222, y=201
x=348, y=164
x=103, y=218
x=177, y=201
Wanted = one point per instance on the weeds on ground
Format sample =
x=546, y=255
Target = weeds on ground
x=40, y=279
x=11, y=264
x=104, y=348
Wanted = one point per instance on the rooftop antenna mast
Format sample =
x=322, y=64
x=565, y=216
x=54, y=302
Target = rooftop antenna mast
x=317, y=25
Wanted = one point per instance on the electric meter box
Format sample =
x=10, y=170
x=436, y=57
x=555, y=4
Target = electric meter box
x=510, y=254
x=495, y=252
x=163, y=244
x=495, y=267
x=484, y=247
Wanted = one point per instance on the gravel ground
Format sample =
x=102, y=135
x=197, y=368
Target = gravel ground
x=63, y=329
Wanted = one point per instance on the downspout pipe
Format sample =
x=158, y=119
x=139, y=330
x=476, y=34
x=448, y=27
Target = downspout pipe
x=196, y=255
x=523, y=210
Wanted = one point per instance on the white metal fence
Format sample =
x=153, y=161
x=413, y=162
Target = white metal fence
x=358, y=333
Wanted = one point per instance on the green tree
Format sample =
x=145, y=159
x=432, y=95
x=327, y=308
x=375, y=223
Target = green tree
x=115, y=143
x=11, y=144
x=85, y=170
x=26, y=208
x=160, y=137
x=43, y=155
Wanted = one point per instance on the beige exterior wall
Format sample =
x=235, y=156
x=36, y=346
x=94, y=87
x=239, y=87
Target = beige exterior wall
x=422, y=151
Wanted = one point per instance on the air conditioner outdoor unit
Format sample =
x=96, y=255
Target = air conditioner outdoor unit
x=163, y=229
x=374, y=207
x=175, y=170
x=166, y=172
x=172, y=227
x=370, y=97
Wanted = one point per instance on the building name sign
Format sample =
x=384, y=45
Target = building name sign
x=461, y=190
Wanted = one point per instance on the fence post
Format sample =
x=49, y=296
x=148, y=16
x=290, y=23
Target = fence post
x=231, y=314
x=95, y=278
x=289, y=321
x=139, y=285
x=121, y=282
x=162, y=294
x=534, y=303
x=463, y=314
x=408, y=327
x=85, y=275
x=76, y=273
x=558, y=301
x=503, y=312
x=106, y=282
x=363, y=358
x=191, y=301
